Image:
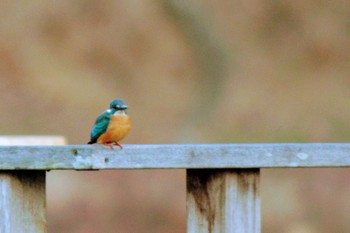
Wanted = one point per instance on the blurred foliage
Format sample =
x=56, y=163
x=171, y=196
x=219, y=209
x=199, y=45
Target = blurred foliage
x=191, y=72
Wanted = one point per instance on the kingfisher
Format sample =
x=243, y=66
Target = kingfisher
x=112, y=125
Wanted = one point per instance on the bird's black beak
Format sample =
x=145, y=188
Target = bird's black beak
x=123, y=107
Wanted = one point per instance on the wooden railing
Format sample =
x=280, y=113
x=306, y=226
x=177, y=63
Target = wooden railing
x=222, y=179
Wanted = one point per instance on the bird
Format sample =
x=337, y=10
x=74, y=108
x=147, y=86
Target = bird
x=112, y=125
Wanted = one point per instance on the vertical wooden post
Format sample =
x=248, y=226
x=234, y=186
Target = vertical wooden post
x=22, y=202
x=22, y=192
x=223, y=201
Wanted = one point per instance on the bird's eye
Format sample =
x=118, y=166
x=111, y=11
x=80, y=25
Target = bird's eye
x=118, y=106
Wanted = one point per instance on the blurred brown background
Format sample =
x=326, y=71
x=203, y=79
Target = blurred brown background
x=192, y=72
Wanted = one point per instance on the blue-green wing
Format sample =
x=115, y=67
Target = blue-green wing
x=100, y=126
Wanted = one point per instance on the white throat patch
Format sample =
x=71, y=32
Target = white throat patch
x=120, y=113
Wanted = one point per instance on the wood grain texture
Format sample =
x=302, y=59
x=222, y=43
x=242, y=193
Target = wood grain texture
x=175, y=156
x=22, y=202
x=22, y=192
x=223, y=201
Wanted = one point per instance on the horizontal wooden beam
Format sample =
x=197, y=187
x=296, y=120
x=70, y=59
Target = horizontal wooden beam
x=81, y=157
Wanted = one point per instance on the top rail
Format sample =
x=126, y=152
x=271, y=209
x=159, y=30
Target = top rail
x=85, y=157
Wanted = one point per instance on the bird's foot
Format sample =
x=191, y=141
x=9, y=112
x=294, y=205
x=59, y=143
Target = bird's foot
x=117, y=144
x=110, y=145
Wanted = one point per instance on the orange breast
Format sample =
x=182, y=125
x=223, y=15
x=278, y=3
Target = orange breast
x=118, y=128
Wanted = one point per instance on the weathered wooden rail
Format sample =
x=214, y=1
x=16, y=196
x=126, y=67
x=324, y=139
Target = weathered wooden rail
x=222, y=179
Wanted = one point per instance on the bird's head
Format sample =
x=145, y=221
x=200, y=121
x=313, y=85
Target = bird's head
x=118, y=104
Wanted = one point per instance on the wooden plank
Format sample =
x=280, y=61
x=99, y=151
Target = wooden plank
x=223, y=201
x=22, y=193
x=175, y=156
x=22, y=202
x=31, y=140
